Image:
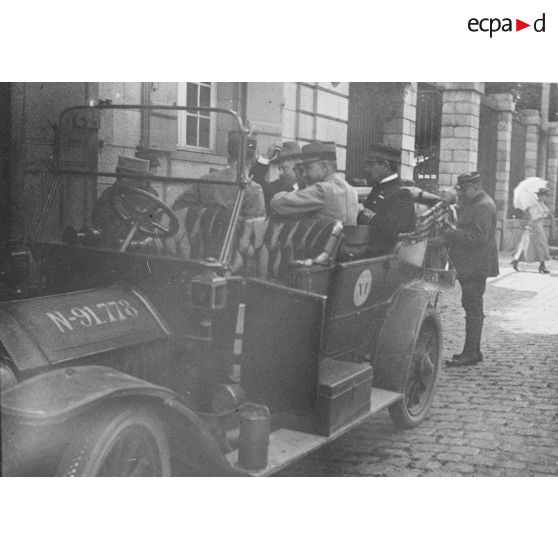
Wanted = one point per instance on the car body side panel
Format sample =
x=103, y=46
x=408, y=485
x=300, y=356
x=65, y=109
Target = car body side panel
x=355, y=304
x=359, y=298
x=281, y=346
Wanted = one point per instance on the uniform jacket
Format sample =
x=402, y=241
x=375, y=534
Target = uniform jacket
x=269, y=188
x=392, y=204
x=333, y=198
x=472, y=245
x=224, y=195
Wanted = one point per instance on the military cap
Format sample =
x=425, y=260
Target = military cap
x=469, y=179
x=318, y=151
x=384, y=152
x=289, y=150
x=132, y=165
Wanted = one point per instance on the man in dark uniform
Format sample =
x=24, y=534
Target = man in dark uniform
x=389, y=208
x=286, y=157
x=472, y=248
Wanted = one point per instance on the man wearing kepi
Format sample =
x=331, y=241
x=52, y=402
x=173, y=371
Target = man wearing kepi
x=286, y=157
x=389, y=208
x=326, y=195
x=472, y=248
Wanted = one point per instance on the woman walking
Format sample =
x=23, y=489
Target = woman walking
x=529, y=196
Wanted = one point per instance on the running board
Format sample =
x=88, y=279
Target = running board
x=287, y=446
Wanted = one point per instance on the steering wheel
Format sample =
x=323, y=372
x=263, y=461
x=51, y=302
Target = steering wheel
x=141, y=210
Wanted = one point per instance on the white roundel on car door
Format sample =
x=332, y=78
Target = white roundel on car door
x=362, y=288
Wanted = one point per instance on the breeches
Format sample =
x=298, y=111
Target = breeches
x=471, y=298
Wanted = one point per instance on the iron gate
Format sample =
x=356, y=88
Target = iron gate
x=365, y=127
x=427, y=136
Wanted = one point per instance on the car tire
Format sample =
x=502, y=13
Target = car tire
x=120, y=442
x=418, y=384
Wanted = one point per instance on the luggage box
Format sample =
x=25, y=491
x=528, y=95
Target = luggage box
x=343, y=393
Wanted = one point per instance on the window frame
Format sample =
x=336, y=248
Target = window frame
x=182, y=119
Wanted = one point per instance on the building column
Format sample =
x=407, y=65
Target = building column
x=532, y=120
x=399, y=130
x=552, y=177
x=459, y=138
x=503, y=103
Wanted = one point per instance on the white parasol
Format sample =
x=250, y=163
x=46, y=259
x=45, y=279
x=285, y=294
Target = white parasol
x=525, y=193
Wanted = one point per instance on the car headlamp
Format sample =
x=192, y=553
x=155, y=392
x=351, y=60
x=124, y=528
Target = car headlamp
x=209, y=291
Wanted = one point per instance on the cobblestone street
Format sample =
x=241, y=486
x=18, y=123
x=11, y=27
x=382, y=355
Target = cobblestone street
x=499, y=418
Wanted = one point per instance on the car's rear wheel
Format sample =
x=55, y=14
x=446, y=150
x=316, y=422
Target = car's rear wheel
x=127, y=442
x=418, y=384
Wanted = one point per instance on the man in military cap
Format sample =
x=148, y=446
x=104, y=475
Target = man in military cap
x=472, y=248
x=389, y=208
x=326, y=194
x=224, y=195
x=286, y=157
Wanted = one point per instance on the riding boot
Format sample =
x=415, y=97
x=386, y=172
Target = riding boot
x=479, y=352
x=479, y=333
x=471, y=351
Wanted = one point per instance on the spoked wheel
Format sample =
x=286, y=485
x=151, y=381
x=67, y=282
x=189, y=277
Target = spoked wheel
x=122, y=443
x=422, y=375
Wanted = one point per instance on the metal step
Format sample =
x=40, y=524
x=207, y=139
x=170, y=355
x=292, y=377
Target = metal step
x=382, y=398
x=287, y=446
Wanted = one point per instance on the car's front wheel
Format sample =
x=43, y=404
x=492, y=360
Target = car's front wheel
x=127, y=442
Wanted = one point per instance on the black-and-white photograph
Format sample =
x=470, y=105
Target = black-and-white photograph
x=279, y=278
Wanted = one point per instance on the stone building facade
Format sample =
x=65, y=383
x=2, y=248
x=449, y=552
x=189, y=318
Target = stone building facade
x=469, y=129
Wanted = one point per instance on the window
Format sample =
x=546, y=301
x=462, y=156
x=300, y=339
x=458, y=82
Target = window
x=196, y=130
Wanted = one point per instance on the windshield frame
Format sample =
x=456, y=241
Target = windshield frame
x=57, y=170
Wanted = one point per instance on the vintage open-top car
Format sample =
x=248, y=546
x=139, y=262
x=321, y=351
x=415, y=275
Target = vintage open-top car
x=242, y=351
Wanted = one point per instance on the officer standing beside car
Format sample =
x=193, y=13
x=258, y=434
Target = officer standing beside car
x=472, y=249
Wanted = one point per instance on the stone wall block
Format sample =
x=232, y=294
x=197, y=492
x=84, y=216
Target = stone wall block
x=465, y=108
x=453, y=119
x=461, y=155
x=459, y=143
x=456, y=167
x=468, y=132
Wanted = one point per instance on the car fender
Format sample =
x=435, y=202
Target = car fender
x=399, y=332
x=60, y=396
